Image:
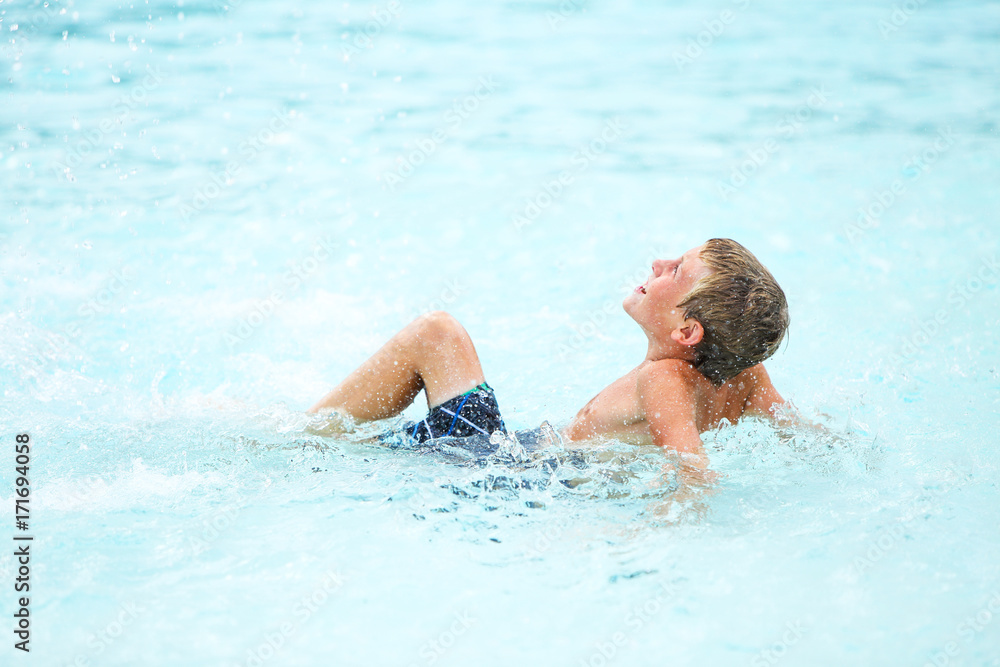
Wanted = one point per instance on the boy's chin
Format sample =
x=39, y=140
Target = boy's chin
x=628, y=305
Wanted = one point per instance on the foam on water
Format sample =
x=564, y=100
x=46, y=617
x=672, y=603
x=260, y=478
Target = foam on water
x=164, y=325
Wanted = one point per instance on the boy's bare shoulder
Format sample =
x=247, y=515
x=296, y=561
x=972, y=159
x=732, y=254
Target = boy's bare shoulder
x=753, y=377
x=682, y=377
x=674, y=374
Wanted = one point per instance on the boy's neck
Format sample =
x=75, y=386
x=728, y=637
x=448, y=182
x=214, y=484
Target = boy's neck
x=657, y=350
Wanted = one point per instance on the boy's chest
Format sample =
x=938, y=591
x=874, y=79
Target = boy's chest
x=614, y=411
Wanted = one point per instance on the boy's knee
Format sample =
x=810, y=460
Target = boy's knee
x=439, y=320
x=440, y=325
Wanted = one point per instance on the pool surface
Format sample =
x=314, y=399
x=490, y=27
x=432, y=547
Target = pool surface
x=212, y=211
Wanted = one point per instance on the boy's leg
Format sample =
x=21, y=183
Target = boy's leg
x=434, y=353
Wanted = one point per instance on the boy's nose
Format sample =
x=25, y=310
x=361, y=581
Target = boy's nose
x=658, y=265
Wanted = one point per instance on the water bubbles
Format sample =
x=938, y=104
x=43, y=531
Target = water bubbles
x=87, y=245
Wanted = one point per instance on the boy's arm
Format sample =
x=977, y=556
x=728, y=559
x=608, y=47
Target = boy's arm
x=668, y=401
x=764, y=399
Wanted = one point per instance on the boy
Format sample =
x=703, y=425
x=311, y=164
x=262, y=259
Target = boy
x=710, y=316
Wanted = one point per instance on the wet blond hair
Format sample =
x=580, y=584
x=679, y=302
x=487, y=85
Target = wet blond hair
x=741, y=308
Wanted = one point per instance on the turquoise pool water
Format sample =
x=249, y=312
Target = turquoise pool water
x=213, y=211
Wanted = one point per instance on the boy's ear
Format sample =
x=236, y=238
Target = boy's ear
x=690, y=332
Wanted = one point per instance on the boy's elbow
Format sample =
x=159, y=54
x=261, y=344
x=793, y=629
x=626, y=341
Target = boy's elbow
x=687, y=444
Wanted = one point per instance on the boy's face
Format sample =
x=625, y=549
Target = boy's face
x=654, y=304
